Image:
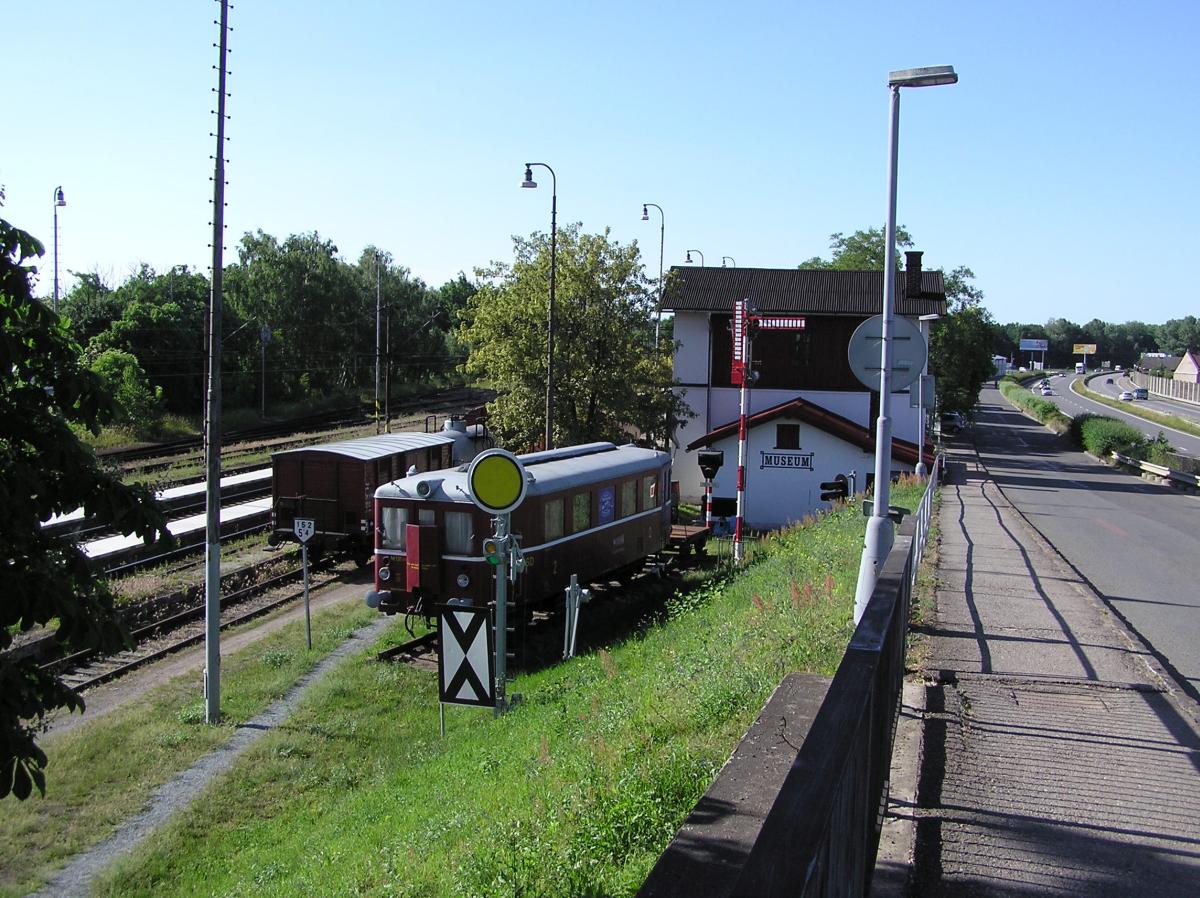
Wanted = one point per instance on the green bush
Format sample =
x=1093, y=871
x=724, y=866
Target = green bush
x=1101, y=436
x=1044, y=411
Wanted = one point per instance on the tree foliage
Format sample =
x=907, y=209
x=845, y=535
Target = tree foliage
x=609, y=381
x=960, y=355
x=45, y=470
x=138, y=404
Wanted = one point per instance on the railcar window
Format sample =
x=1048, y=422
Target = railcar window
x=628, y=498
x=392, y=520
x=427, y=516
x=649, y=491
x=581, y=512
x=459, y=538
x=553, y=519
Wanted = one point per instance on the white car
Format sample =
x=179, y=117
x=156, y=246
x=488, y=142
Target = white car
x=1126, y=396
x=1046, y=391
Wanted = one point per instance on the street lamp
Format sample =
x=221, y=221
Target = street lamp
x=698, y=253
x=732, y=261
x=662, y=235
x=59, y=200
x=922, y=471
x=879, y=537
x=529, y=182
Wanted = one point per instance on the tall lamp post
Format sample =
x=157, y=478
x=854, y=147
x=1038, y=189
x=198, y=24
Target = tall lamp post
x=880, y=535
x=662, y=235
x=59, y=200
x=732, y=261
x=698, y=253
x=529, y=182
x=923, y=471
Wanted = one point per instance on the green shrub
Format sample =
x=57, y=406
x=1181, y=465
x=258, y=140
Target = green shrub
x=1101, y=436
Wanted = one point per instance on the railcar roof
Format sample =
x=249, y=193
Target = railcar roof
x=379, y=446
x=548, y=472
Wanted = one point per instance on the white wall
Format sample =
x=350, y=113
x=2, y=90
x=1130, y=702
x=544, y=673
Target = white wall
x=691, y=355
x=777, y=496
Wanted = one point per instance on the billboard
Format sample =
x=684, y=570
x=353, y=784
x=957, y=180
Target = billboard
x=1029, y=345
x=1083, y=349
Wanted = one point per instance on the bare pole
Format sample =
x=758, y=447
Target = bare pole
x=378, y=334
x=212, y=548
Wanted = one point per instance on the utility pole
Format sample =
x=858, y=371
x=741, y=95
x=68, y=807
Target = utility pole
x=212, y=548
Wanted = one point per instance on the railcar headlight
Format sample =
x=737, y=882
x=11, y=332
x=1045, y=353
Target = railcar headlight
x=385, y=573
x=463, y=581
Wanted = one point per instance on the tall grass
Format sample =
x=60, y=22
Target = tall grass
x=573, y=793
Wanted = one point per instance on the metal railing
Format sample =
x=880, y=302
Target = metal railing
x=821, y=835
x=1192, y=480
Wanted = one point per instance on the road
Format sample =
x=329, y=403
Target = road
x=1134, y=541
x=1073, y=404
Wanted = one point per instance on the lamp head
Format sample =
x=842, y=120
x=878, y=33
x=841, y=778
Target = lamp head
x=528, y=182
x=59, y=199
x=645, y=213
x=689, y=256
x=926, y=77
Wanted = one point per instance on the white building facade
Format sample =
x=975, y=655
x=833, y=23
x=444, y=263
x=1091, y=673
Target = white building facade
x=810, y=365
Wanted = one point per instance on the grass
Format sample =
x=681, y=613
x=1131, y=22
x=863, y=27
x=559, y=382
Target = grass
x=573, y=793
x=101, y=772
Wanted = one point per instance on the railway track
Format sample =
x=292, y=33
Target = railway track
x=85, y=670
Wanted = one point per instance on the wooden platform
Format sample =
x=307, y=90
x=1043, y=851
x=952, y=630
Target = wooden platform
x=689, y=534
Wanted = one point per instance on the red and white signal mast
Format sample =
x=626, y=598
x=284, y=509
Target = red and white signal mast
x=747, y=322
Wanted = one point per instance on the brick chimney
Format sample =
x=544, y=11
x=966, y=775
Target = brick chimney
x=912, y=273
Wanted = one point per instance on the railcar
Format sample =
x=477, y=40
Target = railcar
x=334, y=484
x=593, y=510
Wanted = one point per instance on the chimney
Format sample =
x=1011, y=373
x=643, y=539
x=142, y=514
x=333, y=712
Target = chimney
x=912, y=274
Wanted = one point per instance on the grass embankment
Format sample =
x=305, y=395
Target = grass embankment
x=575, y=792
x=1132, y=408
x=102, y=772
x=1045, y=411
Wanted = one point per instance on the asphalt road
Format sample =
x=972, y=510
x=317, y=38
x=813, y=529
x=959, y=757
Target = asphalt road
x=1134, y=541
x=1073, y=404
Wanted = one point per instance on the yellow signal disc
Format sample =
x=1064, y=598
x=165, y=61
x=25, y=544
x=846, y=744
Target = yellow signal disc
x=496, y=481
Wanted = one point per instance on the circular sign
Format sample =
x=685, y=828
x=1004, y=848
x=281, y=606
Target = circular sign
x=496, y=481
x=909, y=352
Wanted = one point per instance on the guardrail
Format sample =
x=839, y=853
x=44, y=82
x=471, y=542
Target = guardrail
x=1189, y=480
x=821, y=833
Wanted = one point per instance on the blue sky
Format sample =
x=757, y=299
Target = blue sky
x=1062, y=168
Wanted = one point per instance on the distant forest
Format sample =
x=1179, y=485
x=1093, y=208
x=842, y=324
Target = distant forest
x=1121, y=344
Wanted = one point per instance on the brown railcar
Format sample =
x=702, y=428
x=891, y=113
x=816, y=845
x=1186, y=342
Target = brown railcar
x=593, y=510
x=334, y=484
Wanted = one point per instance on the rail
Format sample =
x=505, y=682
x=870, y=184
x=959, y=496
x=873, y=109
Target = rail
x=1180, y=477
x=821, y=833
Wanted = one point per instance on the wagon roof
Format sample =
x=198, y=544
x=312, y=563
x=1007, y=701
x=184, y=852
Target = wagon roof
x=379, y=446
x=548, y=472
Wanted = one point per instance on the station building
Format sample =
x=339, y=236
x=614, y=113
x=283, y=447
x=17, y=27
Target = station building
x=810, y=417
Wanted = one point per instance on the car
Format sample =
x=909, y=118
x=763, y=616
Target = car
x=1108, y=380
x=1046, y=391
x=953, y=422
x=1126, y=396
x=1141, y=393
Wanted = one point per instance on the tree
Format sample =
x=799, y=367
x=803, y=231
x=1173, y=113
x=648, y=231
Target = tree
x=609, y=382
x=138, y=403
x=90, y=305
x=960, y=354
x=1180, y=335
x=44, y=470
x=861, y=251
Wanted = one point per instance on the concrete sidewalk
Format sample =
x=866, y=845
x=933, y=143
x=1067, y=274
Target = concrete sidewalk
x=1055, y=759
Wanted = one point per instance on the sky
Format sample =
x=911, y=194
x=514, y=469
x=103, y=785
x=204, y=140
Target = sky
x=1062, y=168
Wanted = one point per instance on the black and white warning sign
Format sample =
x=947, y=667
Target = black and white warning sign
x=466, y=662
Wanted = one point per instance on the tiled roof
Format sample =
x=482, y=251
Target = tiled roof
x=822, y=418
x=809, y=290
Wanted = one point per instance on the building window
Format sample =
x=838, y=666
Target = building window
x=628, y=498
x=787, y=436
x=553, y=520
x=581, y=512
x=459, y=536
x=392, y=520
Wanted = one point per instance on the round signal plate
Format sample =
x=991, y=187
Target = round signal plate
x=496, y=481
